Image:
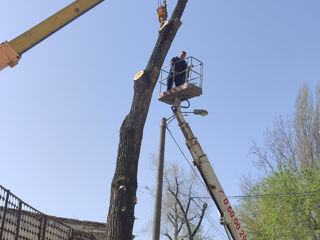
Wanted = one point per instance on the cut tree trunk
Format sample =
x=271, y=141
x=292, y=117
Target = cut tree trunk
x=124, y=184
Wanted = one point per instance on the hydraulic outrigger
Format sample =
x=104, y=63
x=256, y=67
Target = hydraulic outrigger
x=193, y=88
x=10, y=52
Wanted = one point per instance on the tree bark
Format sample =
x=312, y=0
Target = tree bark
x=124, y=184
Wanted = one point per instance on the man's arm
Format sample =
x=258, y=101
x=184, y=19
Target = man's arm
x=174, y=60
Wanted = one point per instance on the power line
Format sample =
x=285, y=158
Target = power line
x=270, y=195
x=211, y=221
x=185, y=157
x=288, y=194
x=216, y=227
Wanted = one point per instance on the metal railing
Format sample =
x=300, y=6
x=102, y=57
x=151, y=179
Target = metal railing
x=193, y=73
x=18, y=220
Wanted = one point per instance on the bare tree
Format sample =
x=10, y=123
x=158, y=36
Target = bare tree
x=124, y=184
x=290, y=157
x=295, y=140
x=183, y=208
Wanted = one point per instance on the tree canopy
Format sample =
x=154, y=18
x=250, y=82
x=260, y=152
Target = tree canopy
x=285, y=202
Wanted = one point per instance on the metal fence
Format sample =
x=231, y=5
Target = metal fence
x=193, y=73
x=19, y=221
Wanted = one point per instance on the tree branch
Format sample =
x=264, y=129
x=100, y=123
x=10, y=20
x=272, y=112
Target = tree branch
x=182, y=210
x=204, y=207
x=168, y=236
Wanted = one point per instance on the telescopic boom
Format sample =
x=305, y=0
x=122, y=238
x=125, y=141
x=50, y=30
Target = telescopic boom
x=228, y=217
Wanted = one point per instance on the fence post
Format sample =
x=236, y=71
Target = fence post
x=4, y=213
x=70, y=233
x=40, y=227
x=18, y=220
x=44, y=228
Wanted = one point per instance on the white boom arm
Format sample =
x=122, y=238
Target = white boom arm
x=202, y=163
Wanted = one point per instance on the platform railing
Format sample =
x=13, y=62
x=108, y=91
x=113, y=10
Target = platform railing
x=194, y=73
x=18, y=220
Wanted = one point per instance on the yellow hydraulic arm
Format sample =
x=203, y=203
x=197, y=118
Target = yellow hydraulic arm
x=10, y=52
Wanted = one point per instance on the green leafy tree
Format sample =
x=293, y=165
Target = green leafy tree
x=283, y=206
x=285, y=203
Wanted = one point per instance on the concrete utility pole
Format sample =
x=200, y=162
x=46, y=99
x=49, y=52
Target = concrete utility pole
x=158, y=197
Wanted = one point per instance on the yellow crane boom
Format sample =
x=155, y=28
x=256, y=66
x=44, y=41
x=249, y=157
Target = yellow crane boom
x=10, y=52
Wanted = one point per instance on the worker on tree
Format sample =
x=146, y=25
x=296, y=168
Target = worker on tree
x=177, y=71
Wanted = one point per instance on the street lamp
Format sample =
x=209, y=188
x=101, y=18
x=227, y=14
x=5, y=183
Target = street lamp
x=201, y=112
x=158, y=197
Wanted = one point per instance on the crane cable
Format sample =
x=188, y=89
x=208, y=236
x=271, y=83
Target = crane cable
x=164, y=3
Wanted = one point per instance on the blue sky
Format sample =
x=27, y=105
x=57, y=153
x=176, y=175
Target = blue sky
x=61, y=108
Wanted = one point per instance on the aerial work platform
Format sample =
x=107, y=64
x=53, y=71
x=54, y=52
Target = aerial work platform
x=192, y=87
x=183, y=92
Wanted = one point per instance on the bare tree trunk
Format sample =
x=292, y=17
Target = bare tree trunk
x=124, y=184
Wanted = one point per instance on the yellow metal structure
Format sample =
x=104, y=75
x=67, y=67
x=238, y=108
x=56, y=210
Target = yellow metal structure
x=8, y=56
x=10, y=52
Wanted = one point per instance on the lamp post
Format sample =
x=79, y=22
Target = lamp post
x=158, y=197
x=159, y=185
